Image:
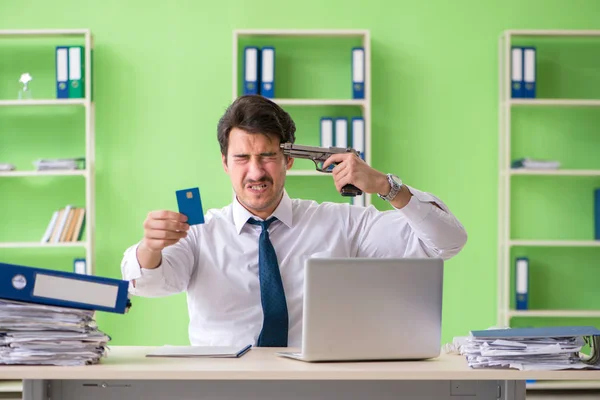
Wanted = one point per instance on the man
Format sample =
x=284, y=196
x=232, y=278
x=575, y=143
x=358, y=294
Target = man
x=242, y=269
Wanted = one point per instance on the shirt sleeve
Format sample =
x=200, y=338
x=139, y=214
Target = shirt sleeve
x=173, y=274
x=419, y=229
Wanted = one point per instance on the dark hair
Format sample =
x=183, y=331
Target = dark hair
x=255, y=114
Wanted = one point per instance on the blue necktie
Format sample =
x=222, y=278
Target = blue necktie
x=275, y=324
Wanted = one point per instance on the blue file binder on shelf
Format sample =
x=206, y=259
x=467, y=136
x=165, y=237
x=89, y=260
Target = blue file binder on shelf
x=326, y=132
x=516, y=72
x=529, y=72
x=341, y=132
x=62, y=72
x=358, y=73
x=251, y=70
x=522, y=282
x=358, y=135
x=267, y=84
x=64, y=289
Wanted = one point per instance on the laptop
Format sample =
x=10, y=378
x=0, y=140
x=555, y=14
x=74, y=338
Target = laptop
x=371, y=309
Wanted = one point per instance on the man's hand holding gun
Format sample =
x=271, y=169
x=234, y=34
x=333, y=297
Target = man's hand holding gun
x=351, y=174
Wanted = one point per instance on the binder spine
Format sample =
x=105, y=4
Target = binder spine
x=358, y=73
x=522, y=283
x=251, y=69
x=529, y=72
x=358, y=135
x=517, y=72
x=76, y=72
x=267, y=85
x=341, y=132
x=62, y=72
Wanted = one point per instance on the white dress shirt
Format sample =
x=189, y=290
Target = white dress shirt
x=217, y=263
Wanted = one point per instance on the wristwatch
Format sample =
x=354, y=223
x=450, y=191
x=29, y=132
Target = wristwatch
x=395, y=186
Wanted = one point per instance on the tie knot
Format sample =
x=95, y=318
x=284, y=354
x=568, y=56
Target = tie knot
x=263, y=224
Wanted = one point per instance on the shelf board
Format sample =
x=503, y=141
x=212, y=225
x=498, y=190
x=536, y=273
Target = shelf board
x=552, y=32
x=43, y=102
x=302, y=32
x=555, y=313
x=320, y=102
x=555, y=172
x=555, y=102
x=45, y=32
x=307, y=173
x=69, y=172
x=565, y=385
x=11, y=386
x=12, y=245
x=555, y=243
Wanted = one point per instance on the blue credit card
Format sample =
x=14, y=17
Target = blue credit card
x=190, y=205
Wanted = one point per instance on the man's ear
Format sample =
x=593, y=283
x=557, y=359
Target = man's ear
x=290, y=162
x=224, y=161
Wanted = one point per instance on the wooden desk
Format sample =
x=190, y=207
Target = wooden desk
x=260, y=374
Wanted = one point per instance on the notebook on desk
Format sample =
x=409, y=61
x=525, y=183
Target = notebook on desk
x=200, y=351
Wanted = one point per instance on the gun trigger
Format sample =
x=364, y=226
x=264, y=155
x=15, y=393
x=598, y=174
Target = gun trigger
x=320, y=169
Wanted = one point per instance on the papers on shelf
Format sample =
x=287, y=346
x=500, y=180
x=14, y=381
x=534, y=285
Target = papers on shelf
x=6, y=167
x=529, y=163
x=59, y=164
x=48, y=335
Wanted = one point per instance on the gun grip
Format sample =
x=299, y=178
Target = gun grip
x=350, y=191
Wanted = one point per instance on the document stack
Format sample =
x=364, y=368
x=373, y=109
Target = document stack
x=59, y=164
x=47, y=316
x=529, y=163
x=4, y=167
x=48, y=335
x=531, y=349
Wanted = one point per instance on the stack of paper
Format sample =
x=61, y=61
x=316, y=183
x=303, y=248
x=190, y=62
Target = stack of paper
x=6, y=167
x=529, y=163
x=59, y=164
x=527, y=349
x=48, y=335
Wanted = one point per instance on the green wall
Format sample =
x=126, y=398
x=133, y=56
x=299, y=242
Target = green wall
x=162, y=78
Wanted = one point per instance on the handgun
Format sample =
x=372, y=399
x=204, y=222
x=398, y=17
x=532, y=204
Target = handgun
x=318, y=155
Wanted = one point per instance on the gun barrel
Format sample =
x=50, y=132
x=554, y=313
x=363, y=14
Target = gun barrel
x=302, y=151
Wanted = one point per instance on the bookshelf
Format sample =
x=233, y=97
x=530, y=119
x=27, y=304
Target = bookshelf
x=326, y=102
x=83, y=36
x=512, y=134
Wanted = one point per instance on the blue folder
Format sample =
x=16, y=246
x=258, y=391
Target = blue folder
x=63, y=289
x=267, y=71
x=358, y=73
x=251, y=70
x=62, y=72
x=529, y=72
x=516, y=72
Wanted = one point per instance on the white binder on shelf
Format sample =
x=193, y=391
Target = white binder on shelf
x=341, y=132
x=358, y=135
x=62, y=72
x=251, y=57
x=326, y=132
x=267, y=84
x=358, y=73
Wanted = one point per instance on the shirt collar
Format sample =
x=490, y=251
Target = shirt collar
x=283, y=212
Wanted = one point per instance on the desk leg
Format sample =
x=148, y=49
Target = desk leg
x=35, y=389
x=273, y=390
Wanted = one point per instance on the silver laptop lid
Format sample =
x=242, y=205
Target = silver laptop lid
x=372, y=308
